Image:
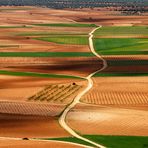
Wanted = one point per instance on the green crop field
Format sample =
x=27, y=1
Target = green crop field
x=33, y=74
x=111, y=74
x=121, y=46
x=66, y=25
x=76, y=40
x=110, y=141
x=120, y=141
x=46, y=54
x=123, y=30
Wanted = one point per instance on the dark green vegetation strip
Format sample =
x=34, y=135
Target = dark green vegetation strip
x=120, y=141
x=122, y=30
x=109, y=74
x=127, y=62
x=45, y=54
x=110, y=141
x=66, y=25
x=71, y=139
x=121, y=46
x=76, y=40
x=33, y=74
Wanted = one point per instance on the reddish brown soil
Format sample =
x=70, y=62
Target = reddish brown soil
x=118, y=91
x=19, y=88
x=108, y=120
x=127, y=69
x=34, y=144
x=31, y=108
x=79, y=66
x=12, y=125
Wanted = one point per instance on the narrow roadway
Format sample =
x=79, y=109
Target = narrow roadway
x=62, y=119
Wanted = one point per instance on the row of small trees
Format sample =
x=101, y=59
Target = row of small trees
x=75, y=3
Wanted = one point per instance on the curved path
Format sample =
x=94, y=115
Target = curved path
x=62, y=119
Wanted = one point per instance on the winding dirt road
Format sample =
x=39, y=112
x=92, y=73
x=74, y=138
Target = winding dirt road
x=62, y=119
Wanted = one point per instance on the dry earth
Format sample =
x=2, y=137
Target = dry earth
x=21, y=126
x=34, y=144
x=102, y=120
x=118, y=91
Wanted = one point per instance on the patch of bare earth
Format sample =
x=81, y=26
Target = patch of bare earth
x=34, y=144
x=118, y=91
x=78, y=66
x=20, y=88
x=102, y=120
x=21, y=126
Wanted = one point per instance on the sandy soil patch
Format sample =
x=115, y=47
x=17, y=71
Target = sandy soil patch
x=108, y=121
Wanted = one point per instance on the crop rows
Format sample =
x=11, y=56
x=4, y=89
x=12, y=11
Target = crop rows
x=116, y=98
x=56, y=93
x=30, y=108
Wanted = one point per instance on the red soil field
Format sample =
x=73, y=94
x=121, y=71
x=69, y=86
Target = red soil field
x=21, y=126
x=102, y=120
x=78, y=66
x=20, y=88
x=118, y=91
x=34, y=144
x=29, y=108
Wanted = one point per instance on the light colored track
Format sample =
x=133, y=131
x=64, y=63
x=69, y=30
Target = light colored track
x=62, y=119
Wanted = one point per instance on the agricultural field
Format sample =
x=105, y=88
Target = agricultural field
x=47, y=66
x=122, y=31
x=111, y=141
x=57, y=93
x=109, y=120
x=121, y=46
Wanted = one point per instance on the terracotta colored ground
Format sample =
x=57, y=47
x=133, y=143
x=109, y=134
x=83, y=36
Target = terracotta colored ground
x=30, y=126
x=18, y=88
x=108, y=120
x=118, y=90
x=70, y=65
x=34, y=144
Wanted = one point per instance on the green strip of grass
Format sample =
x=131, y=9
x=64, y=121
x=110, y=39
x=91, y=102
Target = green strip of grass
x=121, y=46
x=75, y=40
x=33, y=74
x=122, y=30
x=46, y=54
x=120, y=141
x=66, y=25
x=120, y=74
x=110, y=141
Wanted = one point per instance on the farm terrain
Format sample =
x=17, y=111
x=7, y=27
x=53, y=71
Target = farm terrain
x=47, y=62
